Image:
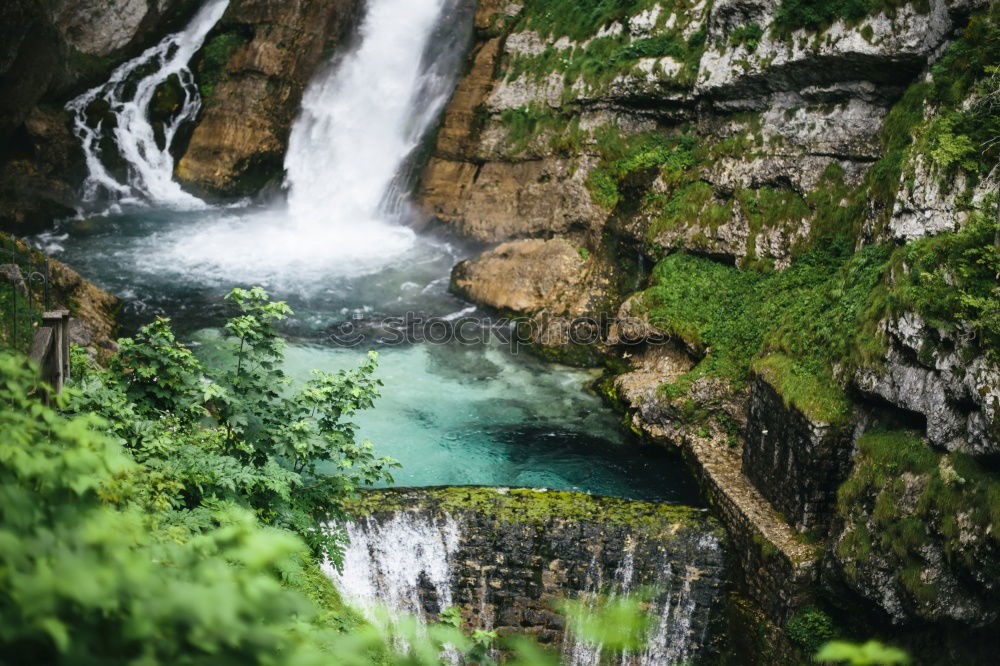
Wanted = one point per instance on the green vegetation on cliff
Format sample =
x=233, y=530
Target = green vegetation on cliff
x=904, y=502
x=596, y=54
x=580, y=19
x=961, y=136
x=825, y=310
x=814, y=313
x=818, y=15
x=213, y=59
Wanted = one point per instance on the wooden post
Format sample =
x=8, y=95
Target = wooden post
x=58, y=321
x=41, y=354
x=67, y=366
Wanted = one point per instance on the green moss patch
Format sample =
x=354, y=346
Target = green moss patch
x=215, y=55
x=815, y=395
x=822, y=310
x=624, y=155
x=532, y=507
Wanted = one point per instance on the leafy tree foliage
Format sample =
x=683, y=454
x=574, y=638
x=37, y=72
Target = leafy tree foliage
x=87, y=574
x=235, y=432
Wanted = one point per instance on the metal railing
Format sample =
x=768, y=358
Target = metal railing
x=29, y=326
x=25, y=281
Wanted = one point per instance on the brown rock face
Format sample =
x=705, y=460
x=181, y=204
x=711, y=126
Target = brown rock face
x=498, y=200
x=564, y=291
x=528, y=276
x=253, y=71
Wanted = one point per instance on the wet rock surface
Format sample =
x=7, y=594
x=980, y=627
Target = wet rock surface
x=256, y=65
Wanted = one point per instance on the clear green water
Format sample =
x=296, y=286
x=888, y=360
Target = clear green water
x=451, y=414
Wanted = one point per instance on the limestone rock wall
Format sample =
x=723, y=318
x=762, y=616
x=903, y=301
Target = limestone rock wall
x=795, y=462
x=942, y=377
x=771, y=112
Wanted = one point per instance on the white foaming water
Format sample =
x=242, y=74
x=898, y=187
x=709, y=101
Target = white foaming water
x=127, y=94
x=359, y=125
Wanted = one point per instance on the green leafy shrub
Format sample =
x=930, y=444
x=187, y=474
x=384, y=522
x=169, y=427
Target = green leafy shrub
x=748, y=35
x=953, y=277
x=870, y=653
x=811, y=628
x=87, y=576
x=623, y=156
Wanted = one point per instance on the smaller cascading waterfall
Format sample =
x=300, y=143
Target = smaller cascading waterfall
x=396, y=563
x=119, y=110
x=423, y=562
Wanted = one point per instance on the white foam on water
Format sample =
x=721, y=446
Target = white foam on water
x=390, y=564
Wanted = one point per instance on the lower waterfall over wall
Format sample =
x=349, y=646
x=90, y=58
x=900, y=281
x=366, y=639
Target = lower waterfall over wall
x=503, y=557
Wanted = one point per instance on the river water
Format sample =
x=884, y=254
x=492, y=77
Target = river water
x=342, y=250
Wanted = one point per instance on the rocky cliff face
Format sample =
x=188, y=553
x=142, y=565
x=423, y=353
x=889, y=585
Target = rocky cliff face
x=52, y=51
x=806, y=179
x=252, y=73
x=531, y=145
x=505, y=558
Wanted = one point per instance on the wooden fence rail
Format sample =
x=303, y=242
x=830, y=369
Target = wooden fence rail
x=50, y=348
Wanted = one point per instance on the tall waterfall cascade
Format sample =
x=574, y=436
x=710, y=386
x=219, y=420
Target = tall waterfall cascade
x=126, y=128
x=508, y=574
x=366, y=116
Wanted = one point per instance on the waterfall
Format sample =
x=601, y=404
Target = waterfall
x=403, y=564
x=351, y=153
x=114, y=117
x=421, y=561
x=367, y=114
